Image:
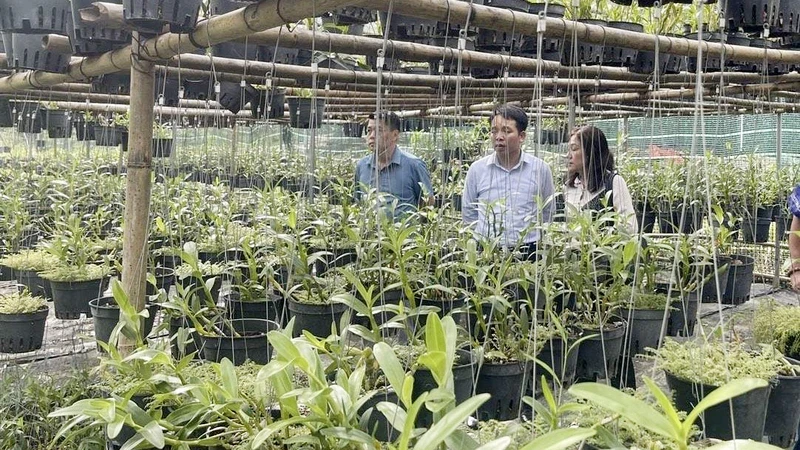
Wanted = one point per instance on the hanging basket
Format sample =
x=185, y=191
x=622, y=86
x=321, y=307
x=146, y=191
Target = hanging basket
x=233, y=97
x=621, y=56
x=353, y=129
x=108, y=136
x=268, y=104
x=588, y=53
x=29, y=117
x=151, y=16
x=552, y=48
x=59, y=124
x=751, y=15
x=93, y=33
x=353, y=15
x=304, y=114
x=28, y=53
x=37, y=16
x=6, y=117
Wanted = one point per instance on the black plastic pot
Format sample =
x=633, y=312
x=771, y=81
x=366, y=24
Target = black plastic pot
x=489, y=39
x=247, y=341
x=353, y=15
x=645, y=328
x=712, y=62
x=621, y=56
x=316, y=319
x=37, y=16
x=445, y=307
x=353, y=129
x=20, y=333
x=783, y=411
x=740, y=279
x=708, y=291
x=105, y=315
x=669, y=219
x=592, y=365
x=377, y=424
x=462, y=384
x=165, y=278
x=37, y=285
x=29, y=54
x=233, y=97
x=748, y=410
x=683, y=316
x=84, y=131
x=71, y=299
x=151, y=16
x=267, y=308
x=645, y=217
x=29, y=117
x=407, y=27
x=755, y=228
x=6, y=117
x=334, y=257
x=751, y=15
x=504, y=382
x=108, y=136
x=554, y=354
x=587, y=53
x=59, y=124
x=194, y=342
x=196, y=286
x=268, y=104
x=162, y=147
x=92, y=33
x=7, y=273
x=303, y=115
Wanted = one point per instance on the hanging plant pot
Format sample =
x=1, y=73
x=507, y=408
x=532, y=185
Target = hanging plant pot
x=105, y=315
x=108, y=136
x=552, y=49
x=350, y=15
x=92, y=34
x=317, y=319
x=84, y=131
x=504, y=382
x=303, y=113
x=151, y=16
x=232, y=96
x=740, y=279
x=29, y=117
x=751, y=15
x=162, y=147
x=598, y=357
x=6, y=117
x=353, y=129
x=38, y=286
x=28, y=53
x=268, y=104
x=783, y=411
x=59, y=124
x=166, y=90
x=407, y=27
x=197, y=89
x=71, y=298
x=20, y=333
x=37, y=16
x=118, y=83
x=242, y=340
x=586, y=53
x=621, y=56
x=281, y=55
x=748, y=410
x=713, y=63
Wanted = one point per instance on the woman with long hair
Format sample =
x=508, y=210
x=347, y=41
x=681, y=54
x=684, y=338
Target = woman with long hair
x=592, y=179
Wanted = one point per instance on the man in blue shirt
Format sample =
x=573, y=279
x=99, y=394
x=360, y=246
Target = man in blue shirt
x=402, y=180
x=508, y=191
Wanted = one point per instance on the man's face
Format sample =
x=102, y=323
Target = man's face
x=380, y=140
x=507, y=140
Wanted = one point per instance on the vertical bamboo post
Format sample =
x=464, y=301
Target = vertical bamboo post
x=137, y=189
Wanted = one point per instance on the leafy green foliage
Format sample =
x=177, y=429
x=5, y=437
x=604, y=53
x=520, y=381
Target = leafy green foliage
x=778, y=326
x=20, y=303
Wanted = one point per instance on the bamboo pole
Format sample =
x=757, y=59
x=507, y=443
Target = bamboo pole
x=138, y=185
x=104, y=15
x=454, y=12
x=235, y=24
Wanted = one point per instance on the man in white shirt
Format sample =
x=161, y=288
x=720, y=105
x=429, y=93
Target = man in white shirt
x=508, y=191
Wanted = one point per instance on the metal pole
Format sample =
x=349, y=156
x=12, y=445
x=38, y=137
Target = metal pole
x=137, y=189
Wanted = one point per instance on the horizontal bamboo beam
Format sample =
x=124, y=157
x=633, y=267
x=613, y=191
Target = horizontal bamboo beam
x=506, y=20
x=233, y=25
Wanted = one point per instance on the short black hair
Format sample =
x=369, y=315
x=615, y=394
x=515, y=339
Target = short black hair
x=388, y=119
x=514, y=113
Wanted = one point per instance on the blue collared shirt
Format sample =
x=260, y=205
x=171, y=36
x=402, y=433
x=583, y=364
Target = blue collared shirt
x=406, y=179
x=500, y=203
